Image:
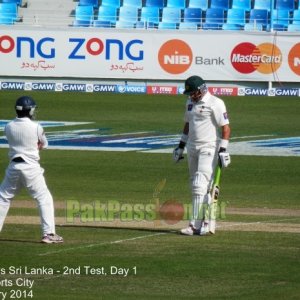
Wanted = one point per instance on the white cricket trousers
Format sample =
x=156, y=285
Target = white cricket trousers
x=202, y=161
x=30, y=176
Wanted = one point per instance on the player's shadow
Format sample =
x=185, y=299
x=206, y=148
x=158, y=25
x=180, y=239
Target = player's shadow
x=19, y=241
x=144, y=229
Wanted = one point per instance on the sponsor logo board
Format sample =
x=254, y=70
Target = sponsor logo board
x=265, y=58
x=175, y=56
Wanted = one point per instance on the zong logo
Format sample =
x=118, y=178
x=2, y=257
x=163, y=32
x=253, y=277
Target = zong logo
x=79, y=48
x=175, y=56
x=42, y=48
x=265, y=58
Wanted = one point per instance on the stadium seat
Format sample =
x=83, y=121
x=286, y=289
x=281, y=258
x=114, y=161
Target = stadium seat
x=242, y=4
x=280, y=19
x=192, y=15
x=263, y=4
x=188, y=25
x=296, y=17
x=171, y=15
x=93, y=3
x=9, y=10
x=6, y=21
x=146, y=25
x=125, y=24
x=141, y=25
x=285, y=4
x=128, y=14
x=203, y=4
x=253, y=27
x=150, y=14
x=18, y=2
x=224, y=4
x=103, y=24
x=176, y=3
x=295, y=21
x=82, y=23
x=155, y=3
x=167, y=25
x=107, y=13
x=111, y=3
x=293, y=27
x=258, y=18
x=84, y=13
x=228, y=26
x=236, y=19
x=214, y=19
x=133, y=3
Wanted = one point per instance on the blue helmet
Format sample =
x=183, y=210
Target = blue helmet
x=25, y=106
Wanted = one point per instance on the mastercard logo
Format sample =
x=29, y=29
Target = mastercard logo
x=247, y=58
x=175, y=56
x=294, y=59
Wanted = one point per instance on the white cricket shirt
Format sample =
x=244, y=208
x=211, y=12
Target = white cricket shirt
x=23, y=136
x=205, y=118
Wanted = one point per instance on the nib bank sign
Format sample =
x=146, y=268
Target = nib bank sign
x=79, y=48
x=264, y=58
x=175, y=56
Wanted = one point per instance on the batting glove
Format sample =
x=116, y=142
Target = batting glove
x=178, y=152
x=224, y=158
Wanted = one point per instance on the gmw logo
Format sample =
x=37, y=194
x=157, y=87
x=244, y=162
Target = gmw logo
x=175, y=56
x=265, y=58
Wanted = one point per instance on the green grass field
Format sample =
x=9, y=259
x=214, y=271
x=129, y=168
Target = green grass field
x=255, y=257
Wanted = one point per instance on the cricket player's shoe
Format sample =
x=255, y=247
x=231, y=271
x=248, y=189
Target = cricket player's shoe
x=204, y=229
x=189, y=231
x=52, y=238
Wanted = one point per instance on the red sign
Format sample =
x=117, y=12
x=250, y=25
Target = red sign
x=224, y=91
x=294, y=59
x=161, y=89
x=175, y=56
x=265, y=58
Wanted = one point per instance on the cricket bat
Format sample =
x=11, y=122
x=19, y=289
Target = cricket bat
x=215, y=191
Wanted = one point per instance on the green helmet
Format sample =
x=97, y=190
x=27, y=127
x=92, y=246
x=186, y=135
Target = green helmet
x=193, y=84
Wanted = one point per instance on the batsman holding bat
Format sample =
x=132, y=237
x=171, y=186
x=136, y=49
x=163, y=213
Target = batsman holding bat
x=206, y=133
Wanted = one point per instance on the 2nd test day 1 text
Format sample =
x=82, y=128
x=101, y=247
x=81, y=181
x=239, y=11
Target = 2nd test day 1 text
x=88, y=270
x=66, y=270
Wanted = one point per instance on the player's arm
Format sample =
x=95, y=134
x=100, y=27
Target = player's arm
x=186, y=128
x=42, y=139
x=185, y=135
x=223, y=154
x=225, y=138
x=178, y=151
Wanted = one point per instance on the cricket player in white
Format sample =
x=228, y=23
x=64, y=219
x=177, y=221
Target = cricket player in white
x=25, y=138
x=205, y=119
